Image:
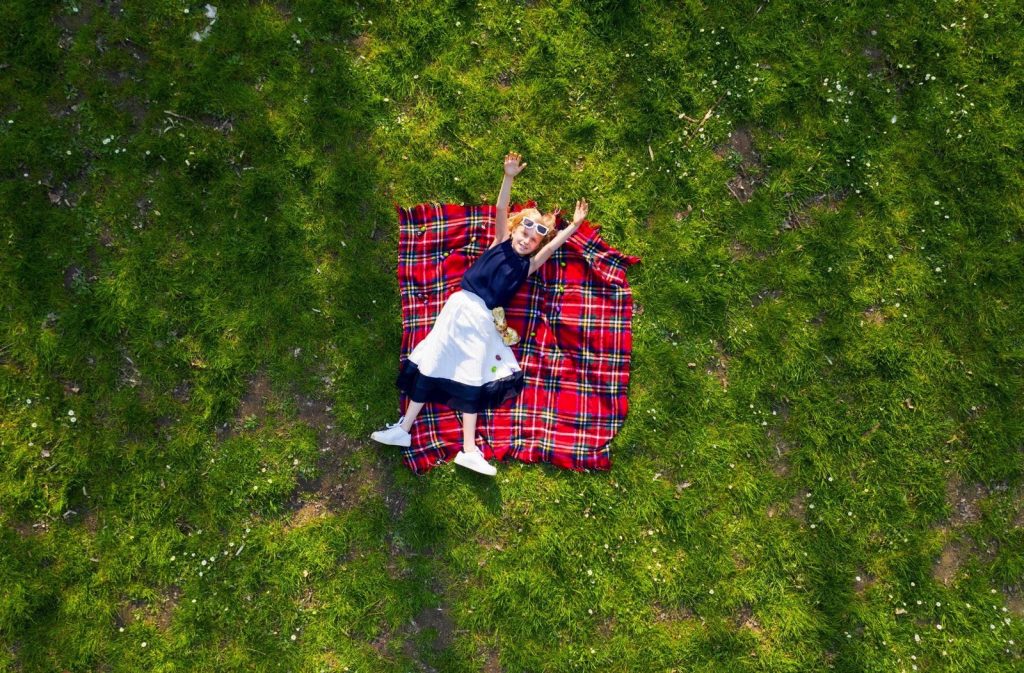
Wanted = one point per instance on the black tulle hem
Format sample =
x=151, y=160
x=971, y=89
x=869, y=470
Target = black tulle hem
x=470, y=399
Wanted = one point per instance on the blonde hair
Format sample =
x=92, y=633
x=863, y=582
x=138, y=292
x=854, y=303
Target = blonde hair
x=515, y=220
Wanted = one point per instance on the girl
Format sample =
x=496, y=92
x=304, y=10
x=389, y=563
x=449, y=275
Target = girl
x=465, y=361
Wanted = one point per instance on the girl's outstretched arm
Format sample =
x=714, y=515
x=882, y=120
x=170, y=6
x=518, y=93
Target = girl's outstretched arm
x=512, y=169
x=561, y=237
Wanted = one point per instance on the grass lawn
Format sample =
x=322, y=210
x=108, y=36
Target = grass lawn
x=823, y=465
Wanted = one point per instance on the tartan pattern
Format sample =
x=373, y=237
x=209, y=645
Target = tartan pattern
x=574, y=315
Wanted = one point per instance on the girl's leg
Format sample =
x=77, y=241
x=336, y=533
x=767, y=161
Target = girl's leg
x=411, y=412
x=471, y=457
x=469, y=433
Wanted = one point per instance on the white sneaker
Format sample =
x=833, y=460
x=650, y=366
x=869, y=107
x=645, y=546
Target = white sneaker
x=475, y=461
x=393, y=435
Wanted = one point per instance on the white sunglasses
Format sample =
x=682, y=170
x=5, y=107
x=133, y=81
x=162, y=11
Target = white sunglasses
x=541, y=229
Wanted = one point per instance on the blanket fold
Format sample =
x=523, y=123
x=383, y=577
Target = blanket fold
x=574, y=315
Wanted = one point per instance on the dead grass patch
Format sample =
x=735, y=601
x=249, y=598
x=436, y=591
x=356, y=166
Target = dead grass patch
x=874, y=316
x=360, y=44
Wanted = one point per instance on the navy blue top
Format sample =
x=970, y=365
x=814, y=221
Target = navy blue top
x=497, y=274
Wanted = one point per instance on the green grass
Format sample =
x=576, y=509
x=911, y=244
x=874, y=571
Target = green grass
x=824, y=455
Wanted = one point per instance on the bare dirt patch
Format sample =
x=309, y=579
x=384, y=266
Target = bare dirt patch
x=31, y=529
x=129, y=375
x=749, y=175
x=763, y=296
x=182, y=392
x=310, y=511
x=878, y=63
x=798, y=506
x=158, y=614
x=718, y=365
x=492, y=664
x=135, y=109
x=745, y=619
x=342, y=478
x=680, y=613
x=1015, y=599
x=61, y=194
x=956, y=553
x=738, y=251
x=251, y=410
x=780, y=465
x=73, y=275
x=963, y=498
x=223, y=124
x=780, y=412
x=863, y=581
x=432, y=624
x=950, y=560
x=72, y=21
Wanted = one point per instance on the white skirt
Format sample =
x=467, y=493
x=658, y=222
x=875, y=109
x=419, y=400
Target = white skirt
x=462, y=362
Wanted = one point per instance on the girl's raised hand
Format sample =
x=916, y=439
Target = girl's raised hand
x=512, y=165
x=582, y=207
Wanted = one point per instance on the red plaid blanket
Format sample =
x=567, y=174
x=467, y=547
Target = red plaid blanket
x=574, y=315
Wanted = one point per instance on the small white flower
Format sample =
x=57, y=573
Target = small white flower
x=144, y=643
x=893, y=120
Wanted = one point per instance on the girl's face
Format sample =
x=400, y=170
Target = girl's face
x=525, y=241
